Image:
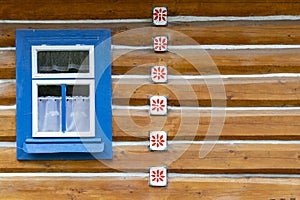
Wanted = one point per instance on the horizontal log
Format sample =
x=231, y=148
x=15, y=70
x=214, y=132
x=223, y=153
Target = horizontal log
x=249, y=61
x=265, y=91
x=180, y=158
x=8, y=125
x=7, y=93
x=179, y=33
x=255, y=61
x=193, y=124
x=125, y=187
x=238, y=92
x=42, y=10
x=7, y=64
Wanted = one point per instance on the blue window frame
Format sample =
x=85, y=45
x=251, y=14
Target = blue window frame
x=63, y=94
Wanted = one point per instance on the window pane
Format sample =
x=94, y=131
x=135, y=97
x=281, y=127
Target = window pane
x=78, y=108
x=49, y=90
x=49, y=108
x=78, y=90
x=63, y=61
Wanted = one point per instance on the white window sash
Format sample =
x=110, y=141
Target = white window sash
x=36, y=49
x=37, y=133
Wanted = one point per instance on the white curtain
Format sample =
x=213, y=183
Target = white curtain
x=49, y=114
x=77, y=114
x=63, y=61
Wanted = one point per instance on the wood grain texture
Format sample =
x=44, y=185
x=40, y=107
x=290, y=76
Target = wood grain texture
x=194, y=124
x=180, y=158
x=235, y=92
x=8, y=125
x=7, y=93
x=179, y=33
x=137, y=188
x=217, y=92
x=83, y=9
x=255, y=61
x=134, y=125
x=7, y=65
x=250, y=61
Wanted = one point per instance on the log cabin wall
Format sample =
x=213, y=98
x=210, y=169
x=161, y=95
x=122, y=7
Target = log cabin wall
x=255, y=46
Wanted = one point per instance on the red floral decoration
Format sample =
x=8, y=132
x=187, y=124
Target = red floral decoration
x=157, y=175
x=160, y=43
x=159, y=73
x=157, y=104
x=160, y=14
x=157, y=140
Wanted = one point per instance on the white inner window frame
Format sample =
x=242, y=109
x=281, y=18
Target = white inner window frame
x=36, y=49
x=36, y=83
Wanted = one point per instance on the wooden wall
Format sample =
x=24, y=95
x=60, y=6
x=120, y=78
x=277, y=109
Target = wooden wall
x=257, y=53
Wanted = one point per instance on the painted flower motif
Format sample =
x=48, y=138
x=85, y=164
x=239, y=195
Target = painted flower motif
x=160, y=14
x=160, y=43
x=157, y=105
x=157, y=176
x=159, y=73
x=157, y=140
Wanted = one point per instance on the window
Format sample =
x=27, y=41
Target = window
x=63, y=108
x=63, y=61
x=63, y=94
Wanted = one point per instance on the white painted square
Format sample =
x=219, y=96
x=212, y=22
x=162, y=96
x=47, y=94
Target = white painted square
x=160, y=43
x=158, y=140
x=160, y=16
x=158, y=105
x=159, y=74
x=158, y=176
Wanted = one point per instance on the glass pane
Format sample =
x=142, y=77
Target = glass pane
x=63, y=61
x=78, y=108
x=49, y=108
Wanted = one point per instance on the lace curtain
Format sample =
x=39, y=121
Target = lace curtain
x=63, y=61
x=77, y=114
x=49, y=114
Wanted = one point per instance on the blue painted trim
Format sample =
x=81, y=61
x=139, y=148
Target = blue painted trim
x=63, y=78
x=63, y=107
x=36, y=148
x=62, y=140
x=103, y=98
x=103, y=130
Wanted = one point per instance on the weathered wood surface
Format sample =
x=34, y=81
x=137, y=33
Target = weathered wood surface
x=193, y=124
x=85, y=9
x=7, y=65
x=8, y=125
x=198, y=92
x=180, y=158
x=255, y=61
x=249, y=61
x=270, y=91
x=179, y=33
x=7, y=93
x=134, y=125
x=137, y=188
x=225, y=157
